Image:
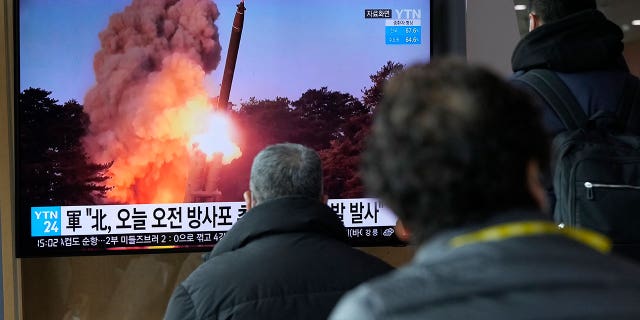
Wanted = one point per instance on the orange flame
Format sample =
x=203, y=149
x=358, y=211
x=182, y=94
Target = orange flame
x=217, y=138
x=151, y=133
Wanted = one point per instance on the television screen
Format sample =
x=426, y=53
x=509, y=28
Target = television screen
x=137, y=121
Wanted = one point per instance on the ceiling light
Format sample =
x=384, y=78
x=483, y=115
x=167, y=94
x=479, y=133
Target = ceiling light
x=520, y=7
x=635, y=22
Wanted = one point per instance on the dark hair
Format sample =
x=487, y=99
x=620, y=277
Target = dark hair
x=553, y=10
x=286, y=169
x=450, y=145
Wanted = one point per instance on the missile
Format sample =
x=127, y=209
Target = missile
x=232, y=56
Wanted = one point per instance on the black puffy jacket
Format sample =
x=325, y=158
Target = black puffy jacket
x=285, y=259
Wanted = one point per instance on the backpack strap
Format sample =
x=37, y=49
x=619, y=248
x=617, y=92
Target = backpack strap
x=629, y=109
x=557, y=95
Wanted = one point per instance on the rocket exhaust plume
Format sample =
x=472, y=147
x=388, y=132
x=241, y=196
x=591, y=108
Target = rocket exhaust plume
x=149, y=96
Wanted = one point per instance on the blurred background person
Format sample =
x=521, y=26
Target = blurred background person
x=456, y=153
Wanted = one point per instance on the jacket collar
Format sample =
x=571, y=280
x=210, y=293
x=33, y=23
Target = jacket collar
x=579, y=42
x=278, y=216
x=438, y=247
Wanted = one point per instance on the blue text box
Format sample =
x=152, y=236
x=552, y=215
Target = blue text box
x=45, y=221
x=406, y=35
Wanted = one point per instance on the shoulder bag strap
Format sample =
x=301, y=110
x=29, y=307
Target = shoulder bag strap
x=557, y=95
x=629, y=109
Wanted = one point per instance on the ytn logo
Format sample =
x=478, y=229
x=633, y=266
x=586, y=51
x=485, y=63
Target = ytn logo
x=412, y=14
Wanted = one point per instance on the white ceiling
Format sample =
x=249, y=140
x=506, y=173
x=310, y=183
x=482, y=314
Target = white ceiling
x=622, y=12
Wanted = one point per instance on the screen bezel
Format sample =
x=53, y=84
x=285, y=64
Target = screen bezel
x=438, y=47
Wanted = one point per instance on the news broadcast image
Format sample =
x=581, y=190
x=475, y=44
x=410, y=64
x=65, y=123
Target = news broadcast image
x=137, y=121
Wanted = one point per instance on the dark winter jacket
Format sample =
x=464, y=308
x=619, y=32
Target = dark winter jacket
x=541, y=276
x=585, y=50
x=285, y=259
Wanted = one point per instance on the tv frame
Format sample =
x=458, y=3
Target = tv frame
x=449, y=40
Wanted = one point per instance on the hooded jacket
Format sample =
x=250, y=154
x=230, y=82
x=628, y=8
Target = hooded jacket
x=585, y=50
x=285, y=259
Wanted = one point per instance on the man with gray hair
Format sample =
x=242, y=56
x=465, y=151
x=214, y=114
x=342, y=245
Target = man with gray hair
x=287, y=258
x=285, y=170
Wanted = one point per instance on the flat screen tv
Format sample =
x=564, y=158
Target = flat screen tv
x=137, y=121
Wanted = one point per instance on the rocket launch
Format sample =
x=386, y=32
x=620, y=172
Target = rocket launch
x=149, y=99
x=203, y=178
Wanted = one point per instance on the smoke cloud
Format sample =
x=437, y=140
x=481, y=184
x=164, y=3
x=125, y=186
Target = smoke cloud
x=149, y=92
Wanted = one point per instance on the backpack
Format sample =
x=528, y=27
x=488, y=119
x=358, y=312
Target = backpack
x=595, y=162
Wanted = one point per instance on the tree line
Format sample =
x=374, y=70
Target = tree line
x=54, y=169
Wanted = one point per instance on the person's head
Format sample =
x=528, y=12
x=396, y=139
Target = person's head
x=453, y=144
x=547, y=11
x=285, y=169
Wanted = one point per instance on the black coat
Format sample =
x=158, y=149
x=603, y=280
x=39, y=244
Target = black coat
x=585, y=51
x=285, y=259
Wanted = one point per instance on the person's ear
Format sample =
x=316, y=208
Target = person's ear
x=402, y=232
x=534, y=21
x=534, y=184
x=324, y=199
x=247, y=199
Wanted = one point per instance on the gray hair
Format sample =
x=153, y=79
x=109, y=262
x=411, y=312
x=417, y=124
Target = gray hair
x=285, y=169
